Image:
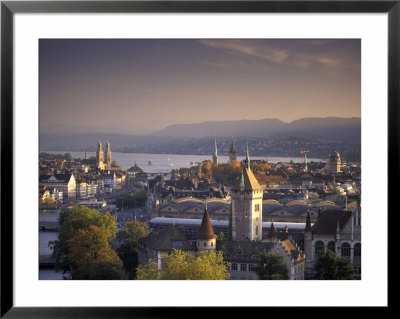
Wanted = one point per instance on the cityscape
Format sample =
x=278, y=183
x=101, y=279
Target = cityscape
x=254, y=191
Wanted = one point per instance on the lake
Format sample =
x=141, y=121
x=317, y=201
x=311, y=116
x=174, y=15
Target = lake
x=163, y=163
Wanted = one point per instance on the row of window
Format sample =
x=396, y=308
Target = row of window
x=345, y=248
x=241, y=267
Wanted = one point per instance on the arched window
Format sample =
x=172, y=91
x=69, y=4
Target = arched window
x=357, y=250
x=319, y=246
x=205, y=244
x=331, y=246
x=345, y=250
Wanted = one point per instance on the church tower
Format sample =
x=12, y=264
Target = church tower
x=215, y=156
x=206, y=239
x=247, y=198
x=108, y=155
x=99, y=156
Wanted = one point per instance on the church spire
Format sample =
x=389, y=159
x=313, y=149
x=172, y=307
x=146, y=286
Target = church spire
x=247, y=160
x=215, y=156
x=232, y=152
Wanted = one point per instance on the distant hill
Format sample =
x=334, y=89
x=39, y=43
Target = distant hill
x=331, y=128
x=269, y=137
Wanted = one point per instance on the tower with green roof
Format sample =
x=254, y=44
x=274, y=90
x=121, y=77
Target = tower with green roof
x=247, y=197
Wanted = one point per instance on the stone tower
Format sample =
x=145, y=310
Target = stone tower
x=99, y=156
x=215, y=156
x=247, y=198
x=206, y=238
x=335, y=163
x=108, y=155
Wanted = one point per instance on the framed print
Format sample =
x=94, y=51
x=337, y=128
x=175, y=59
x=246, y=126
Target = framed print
x=167, y=115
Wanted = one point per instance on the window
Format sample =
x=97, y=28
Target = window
x=346, y=250
x=205, y=244
x=243, y=267
x=212, y=244
x=251, y=267
x=331, y=246
x=256, y=230
x=319, y=246
x=357, y=250
x=257, y=207
x=234, y=266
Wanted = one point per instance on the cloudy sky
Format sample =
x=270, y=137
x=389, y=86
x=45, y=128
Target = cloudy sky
x=138, y=86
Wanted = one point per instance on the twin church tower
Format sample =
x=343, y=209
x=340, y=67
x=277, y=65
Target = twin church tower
x=103, y=163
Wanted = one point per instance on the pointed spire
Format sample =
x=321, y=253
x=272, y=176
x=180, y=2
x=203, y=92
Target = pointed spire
x=247, y=160
x=215, y=156
x=215, y=145
x=272, y=232
x=206, y=231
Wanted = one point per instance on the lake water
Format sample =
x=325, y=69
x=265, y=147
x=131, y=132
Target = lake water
x=163, y=163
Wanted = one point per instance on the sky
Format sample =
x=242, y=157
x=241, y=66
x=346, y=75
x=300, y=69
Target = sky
x=138, y=86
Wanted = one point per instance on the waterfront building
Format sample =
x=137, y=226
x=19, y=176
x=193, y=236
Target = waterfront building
x=64, y=183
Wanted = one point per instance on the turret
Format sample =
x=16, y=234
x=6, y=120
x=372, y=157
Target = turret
x=206, y=238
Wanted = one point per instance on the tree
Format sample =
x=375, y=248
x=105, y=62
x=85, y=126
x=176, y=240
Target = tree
x=271, y=267
x=331, y=267
x=181, y=265
x=87, y=247
x=110, y=270
x=74, y=219
x=129, y=237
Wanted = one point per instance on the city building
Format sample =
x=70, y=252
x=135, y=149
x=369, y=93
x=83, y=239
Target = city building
x=338, y=231
x=64, y=183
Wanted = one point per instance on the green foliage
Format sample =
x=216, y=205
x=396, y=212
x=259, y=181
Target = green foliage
x=331, y=267
x=47, y=201
x=271, y=267
x=87, y=247
x=111, y=270
x=129, y=201
x=226, y=175
x=181, y=265
x=129, y=237
x=116, y=165
x=74, y=219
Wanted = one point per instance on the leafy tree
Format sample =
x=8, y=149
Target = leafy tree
x=181, y=265
x=271, y=267
x=129, y=237
x=111, y=270
x=47, y=201
x=89, y=246
x=76, y=218
x=116, y=165
x=331, y=267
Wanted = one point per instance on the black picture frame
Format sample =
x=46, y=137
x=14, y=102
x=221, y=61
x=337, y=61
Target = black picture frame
x=9, y=8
